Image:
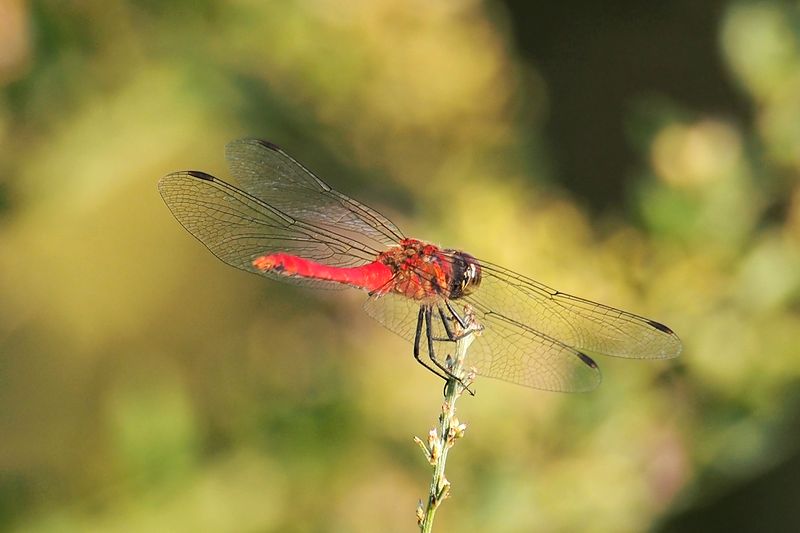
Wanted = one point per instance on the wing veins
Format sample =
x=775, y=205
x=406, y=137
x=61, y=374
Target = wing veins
x=282, y=221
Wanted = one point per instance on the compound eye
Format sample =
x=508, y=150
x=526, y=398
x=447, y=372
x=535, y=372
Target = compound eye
x=468, y=276
x=471, y=278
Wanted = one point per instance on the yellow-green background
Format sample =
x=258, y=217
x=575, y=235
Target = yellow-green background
x=145, y=386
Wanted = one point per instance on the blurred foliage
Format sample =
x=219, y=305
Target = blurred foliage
x=145, y=386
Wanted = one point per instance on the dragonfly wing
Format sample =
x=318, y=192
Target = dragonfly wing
x=503, y=350
x=397, y=313
x=238, y=227
x=576, y=322
x=272, y=175
x=513, y=352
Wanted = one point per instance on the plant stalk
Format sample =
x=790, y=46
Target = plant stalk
x=450, y=429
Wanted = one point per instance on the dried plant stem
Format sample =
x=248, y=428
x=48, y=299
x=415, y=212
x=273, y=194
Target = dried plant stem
x=450, y=429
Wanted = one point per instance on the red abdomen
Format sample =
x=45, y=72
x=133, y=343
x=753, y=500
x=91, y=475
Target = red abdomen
x=371, y=276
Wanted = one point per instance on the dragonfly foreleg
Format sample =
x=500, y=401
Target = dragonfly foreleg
x=427, y=310
x=463, y=328
x=456, y=316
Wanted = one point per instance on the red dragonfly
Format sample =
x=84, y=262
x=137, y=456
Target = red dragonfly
x=287, y=224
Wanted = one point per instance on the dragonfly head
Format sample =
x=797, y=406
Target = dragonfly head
x=466, y=275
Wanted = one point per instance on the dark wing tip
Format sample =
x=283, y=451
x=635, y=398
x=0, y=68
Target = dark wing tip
x=587, y=381
x=200, y=175
x=661, y=327
x=588, y=360
x=231, y=146
x=269, y=145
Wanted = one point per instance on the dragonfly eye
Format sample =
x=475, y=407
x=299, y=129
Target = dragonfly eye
x=466, y=275
x=472, y=276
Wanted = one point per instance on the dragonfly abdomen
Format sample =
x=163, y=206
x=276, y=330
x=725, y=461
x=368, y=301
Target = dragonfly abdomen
x=371, y=276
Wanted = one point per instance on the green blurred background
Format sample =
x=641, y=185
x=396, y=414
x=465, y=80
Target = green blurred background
x=646, y=155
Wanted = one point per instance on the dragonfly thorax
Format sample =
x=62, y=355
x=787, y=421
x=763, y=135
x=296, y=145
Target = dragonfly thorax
x=423, y=271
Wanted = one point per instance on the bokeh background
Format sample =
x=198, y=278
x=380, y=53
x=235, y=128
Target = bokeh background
x=646, y=155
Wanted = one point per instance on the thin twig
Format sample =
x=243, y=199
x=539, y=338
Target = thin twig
x=450, y=429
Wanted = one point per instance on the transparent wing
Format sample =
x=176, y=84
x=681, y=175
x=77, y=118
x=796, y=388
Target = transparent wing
x=238, y=227
x=504, y=350
x=271, y=175
x=576, y=322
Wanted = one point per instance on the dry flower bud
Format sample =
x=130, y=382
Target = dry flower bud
x=444, y=490
x=436, y=452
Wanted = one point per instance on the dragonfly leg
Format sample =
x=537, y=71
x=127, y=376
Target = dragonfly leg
x=456, y=316
x=432, y=354
x=452, y=336
x=417, y=338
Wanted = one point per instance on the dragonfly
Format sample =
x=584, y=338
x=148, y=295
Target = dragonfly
x=284, y=223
